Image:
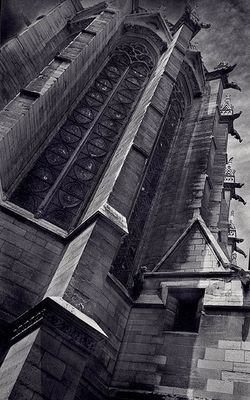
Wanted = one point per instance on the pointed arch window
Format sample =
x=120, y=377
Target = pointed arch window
x=124, y=263
x=59, y=185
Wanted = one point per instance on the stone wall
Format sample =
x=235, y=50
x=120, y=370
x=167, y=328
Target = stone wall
x=211, y=364
x=28, y=260
x=29, y=120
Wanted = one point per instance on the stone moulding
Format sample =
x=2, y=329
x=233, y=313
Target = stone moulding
x=210, y=239
x=146, y=32
x=63, y=318
x=116, y=393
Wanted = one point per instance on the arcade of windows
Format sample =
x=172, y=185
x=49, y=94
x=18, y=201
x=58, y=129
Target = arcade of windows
x=59, y=185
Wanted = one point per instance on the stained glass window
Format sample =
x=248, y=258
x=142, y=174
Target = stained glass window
x=60, y=183
x=123, y=266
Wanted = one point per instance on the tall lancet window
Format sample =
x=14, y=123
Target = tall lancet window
x=63, y=178
x=124, y=263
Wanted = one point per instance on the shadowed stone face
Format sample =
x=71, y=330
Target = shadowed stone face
x=17, y=15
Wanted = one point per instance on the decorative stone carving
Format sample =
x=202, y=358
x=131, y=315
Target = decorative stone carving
x=237, y=115
x=240, y=251
x=225, y=66
x=191, y=19
x=236, y=135
x=234, y=258
x=229, y=181
x=239, y=198
x=222, y=71
x=232, y=228
x=138, y=282
x=229, y=170
x=146, y=32
x=233, y=85
x=227, y=106
x=242, y=274
x=75, y=335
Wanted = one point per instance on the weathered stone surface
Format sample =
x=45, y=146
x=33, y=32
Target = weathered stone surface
x=95, y=342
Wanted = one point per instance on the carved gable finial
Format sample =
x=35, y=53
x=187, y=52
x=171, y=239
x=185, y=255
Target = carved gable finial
x=232, y=227
x=229, y=170
x=227, y=107
x=234, y=258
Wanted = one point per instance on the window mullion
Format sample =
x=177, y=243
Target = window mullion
x=46, y=200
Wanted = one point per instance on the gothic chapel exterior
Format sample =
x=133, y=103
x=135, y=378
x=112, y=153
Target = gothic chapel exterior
x=119, y=277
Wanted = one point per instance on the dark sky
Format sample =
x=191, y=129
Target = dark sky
x=228, y=40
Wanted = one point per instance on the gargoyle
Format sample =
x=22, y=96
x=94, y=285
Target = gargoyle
x=243, y=275
x=237, y=115
x=138, y=282
x=205, y=26
x=240, y=251
x=236, y=135
x=233, y=85
x=239, y=198
x=225, y=66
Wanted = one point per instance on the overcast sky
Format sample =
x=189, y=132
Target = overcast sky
x=228, y=39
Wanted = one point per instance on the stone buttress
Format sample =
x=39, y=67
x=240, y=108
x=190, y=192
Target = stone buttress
x=113, y=156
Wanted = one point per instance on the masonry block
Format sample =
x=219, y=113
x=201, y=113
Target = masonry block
x=234, y=355
x=222, y=365
x=229, y=344
x=214, y=385
x=215, y=354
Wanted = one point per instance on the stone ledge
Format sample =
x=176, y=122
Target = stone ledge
x=108, y=213
x=65, y=319
x=158, y=393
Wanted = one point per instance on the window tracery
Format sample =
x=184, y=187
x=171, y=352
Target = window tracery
x=62, y=179
x=124, y=263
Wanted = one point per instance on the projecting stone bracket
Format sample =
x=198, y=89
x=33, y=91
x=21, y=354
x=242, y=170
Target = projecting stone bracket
x=232, y=85
x=239, y=198
x=235, y=134
x=243, y=275
x=190, y=18
x=240, y=251
x=229, y=119
x=222, y=72
x=62, y=317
